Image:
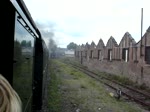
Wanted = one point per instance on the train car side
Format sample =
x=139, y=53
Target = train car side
x=24, y=54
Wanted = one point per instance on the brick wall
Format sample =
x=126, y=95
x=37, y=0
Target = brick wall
x=128, y=59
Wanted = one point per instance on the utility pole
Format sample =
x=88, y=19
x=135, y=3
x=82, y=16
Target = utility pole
x=141, y=53
x=141, y=48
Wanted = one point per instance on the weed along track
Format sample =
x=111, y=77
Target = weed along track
x=73, y=91
x=130, y=93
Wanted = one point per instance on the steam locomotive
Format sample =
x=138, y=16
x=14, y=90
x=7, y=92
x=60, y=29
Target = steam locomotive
x=24, y=54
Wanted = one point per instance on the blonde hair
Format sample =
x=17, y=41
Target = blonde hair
x=9, y=99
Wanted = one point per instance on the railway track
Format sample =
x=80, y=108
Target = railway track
x=130, y=92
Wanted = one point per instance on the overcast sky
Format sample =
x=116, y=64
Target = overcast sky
x=82, y=21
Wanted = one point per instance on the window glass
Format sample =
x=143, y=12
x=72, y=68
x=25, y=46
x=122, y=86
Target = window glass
x=23, y=65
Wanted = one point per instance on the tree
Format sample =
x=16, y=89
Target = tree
x=28, y=44
x=72, y=45
x=25, y=43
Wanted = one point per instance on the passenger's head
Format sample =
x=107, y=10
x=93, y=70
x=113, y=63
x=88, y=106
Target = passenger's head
x=9, y=99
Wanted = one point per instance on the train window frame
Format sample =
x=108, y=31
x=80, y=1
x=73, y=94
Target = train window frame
x=24, y=19
x=23, y=25
x=9, y=17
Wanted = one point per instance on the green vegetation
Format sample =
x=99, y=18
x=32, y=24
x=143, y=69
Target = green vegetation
x=72, y=45
x=53, y=91
x=121, y=79
x=71, y=90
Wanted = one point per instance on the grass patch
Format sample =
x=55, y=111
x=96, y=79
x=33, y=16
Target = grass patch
x=83, y=86
x=121, y=79
x=54, y=98
x=72, y=73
